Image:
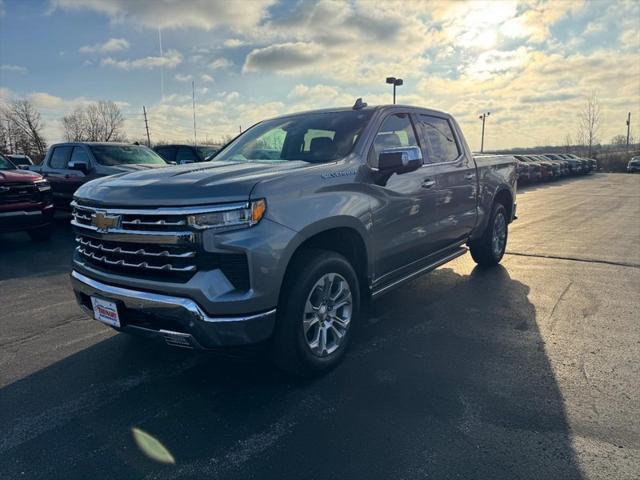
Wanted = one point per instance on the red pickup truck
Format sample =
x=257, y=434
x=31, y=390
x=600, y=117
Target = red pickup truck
x=25, y=201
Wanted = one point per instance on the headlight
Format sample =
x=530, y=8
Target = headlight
x=42, y=185
x=239, y=217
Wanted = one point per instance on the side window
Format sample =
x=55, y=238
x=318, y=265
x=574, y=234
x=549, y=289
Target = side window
x=60, y=157
x=440, y=141
x=168, y=153
x=396, y=131
x=186, y=155
x=80, y=155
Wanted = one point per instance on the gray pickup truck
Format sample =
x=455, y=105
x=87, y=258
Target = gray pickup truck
x=295, y=225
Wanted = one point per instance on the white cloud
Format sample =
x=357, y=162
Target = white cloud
x=13, y=69
x=110, y=46
x=233, y=43
x=220, y=63
x=202, y=14
x=183, y=78
x=207, y=78
x=170, y=59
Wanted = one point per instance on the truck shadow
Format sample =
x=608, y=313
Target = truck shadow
x=446, y=378
x=22, y=257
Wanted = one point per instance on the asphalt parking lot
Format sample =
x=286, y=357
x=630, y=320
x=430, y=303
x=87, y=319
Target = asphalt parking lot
x=529, y=370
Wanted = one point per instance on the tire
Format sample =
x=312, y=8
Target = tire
x=297, y=345
x=41, y=234
x=482, y=249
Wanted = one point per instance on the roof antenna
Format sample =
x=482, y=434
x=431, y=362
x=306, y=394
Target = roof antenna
x=359, y=105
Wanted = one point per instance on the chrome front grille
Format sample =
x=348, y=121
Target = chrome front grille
x=134, y=242
x=157, y=244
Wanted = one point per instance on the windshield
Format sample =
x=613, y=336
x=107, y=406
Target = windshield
x=5, y=164
x=111, y=155
x=313, y=138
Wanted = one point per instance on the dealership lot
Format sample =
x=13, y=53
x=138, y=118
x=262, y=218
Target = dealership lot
x=529, y=370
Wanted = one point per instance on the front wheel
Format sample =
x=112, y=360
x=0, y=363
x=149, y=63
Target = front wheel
x=319, y=305
x=489, y=249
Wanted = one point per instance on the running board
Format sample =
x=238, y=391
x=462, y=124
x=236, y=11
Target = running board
x=426, y=269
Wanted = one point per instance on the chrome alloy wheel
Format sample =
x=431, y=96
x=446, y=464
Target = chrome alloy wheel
x=499, y=236
x=327, y=314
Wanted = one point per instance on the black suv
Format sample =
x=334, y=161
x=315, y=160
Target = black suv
x=185, y=153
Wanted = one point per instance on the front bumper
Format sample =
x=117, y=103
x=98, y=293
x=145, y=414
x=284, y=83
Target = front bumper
x=24, y=219
x=178, y=321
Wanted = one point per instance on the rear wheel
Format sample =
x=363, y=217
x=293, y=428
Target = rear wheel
x=489, y=249
x=319, y=306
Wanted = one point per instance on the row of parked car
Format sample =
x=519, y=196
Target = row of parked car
x=30, y=193
x=535, y=168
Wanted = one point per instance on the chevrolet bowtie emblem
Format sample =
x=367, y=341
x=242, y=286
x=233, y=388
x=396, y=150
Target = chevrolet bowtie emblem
x=104, y=222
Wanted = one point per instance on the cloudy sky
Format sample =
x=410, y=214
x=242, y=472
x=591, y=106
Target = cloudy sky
x=531, y=63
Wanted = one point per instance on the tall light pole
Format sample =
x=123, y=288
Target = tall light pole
x=628, y=128
x=483, y=117
x=396, y=82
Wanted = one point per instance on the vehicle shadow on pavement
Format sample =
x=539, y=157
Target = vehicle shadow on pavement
x=22, y=257
x=447, y=378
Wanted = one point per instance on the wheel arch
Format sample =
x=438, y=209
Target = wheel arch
x=341, y=235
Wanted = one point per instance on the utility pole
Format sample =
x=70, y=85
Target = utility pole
x=628, y=128
x=9, y=135
x=193, y=94
x=146, y=125
x=483, y=117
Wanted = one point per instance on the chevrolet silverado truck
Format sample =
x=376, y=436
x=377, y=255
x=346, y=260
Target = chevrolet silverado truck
x=69, y=165
x=296, y=224
x=25, y=201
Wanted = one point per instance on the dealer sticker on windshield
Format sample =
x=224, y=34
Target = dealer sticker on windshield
x=105, y=312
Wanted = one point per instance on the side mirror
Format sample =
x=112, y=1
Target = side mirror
x=79, y=165
x=23, y=167
x=400, y=159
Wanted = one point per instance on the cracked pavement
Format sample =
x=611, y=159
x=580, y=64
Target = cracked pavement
x=530, y=370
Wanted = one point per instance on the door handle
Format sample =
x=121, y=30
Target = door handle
x=67, y=176
x=428, y=183
x=470, y=176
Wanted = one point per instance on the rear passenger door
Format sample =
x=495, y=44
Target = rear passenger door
x=453, y=175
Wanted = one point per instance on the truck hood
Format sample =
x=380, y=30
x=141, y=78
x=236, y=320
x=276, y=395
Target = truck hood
x=11, y=176
x=132, y=167
x=182, y=185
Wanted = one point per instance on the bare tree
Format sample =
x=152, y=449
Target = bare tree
x=568, y=142
x=590, y=123
x=25, y=127
x=74, y=126
x=98, y=122
x=619, y=140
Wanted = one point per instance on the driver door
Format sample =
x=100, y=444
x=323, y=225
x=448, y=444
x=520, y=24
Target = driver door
x=400, y=215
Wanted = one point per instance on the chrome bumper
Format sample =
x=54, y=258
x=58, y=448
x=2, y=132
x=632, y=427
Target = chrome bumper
x=179, y=321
